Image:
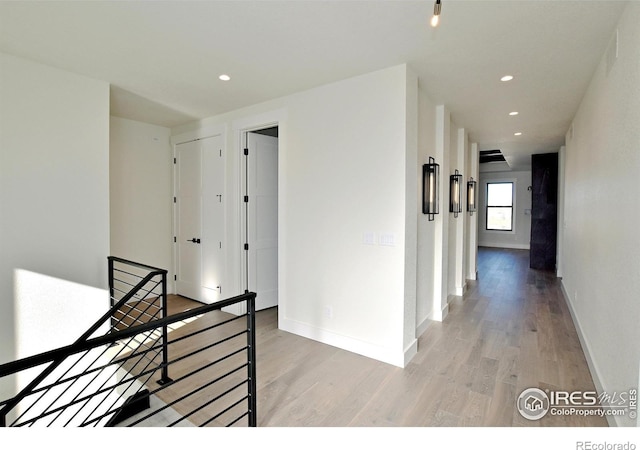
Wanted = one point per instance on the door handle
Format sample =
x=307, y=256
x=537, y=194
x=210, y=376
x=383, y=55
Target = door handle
x=194, y=240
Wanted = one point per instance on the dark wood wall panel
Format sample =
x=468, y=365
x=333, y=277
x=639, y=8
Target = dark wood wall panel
x=544, y=211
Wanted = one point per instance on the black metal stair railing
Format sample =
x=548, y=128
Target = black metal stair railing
x=122, y=377
x=144, y=303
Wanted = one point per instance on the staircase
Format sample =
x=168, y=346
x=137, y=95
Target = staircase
x=124, y=377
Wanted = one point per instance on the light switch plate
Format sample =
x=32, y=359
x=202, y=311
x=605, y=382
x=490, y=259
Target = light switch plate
x=387, y=239
x=369, y=238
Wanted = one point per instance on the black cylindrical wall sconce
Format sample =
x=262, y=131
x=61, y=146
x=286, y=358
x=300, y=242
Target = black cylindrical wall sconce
x=471, y=196
x=430, y=191
x=455, y=205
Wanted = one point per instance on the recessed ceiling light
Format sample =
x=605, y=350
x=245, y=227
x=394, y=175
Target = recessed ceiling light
x=517, y=134
x=507, y=78
x=513, y=113
x=224, y=77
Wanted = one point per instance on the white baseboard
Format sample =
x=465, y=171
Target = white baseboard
x=237, y=310
x=445, y=312
x=424, y=325
x=505, y=245
x=593, y=368
x=434, y=316
x=397, y=358
x=410, y=352
x=439, y=315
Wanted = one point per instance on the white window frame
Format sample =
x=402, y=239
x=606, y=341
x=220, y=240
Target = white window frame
x=514, y=184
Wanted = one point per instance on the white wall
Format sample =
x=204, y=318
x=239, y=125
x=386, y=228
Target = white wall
x=54, y=203
x=440, y=263
x=601, y=255
x=445, y=253
x=462, y=238
x=140, y=171
x=425, y=283
x=458, y=149
x=560, y=227
x=452, y=247
x=471, y=233
x=521, y=235
x=347, y=165
x=412, y=209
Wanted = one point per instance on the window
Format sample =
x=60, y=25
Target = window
x=500, y=206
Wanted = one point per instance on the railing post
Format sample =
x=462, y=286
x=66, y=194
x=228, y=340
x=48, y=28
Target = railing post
x=251, y=344
x=112, y=298
x=164, y=378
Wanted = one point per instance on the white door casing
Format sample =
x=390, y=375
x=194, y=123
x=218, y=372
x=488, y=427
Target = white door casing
x=262, y=221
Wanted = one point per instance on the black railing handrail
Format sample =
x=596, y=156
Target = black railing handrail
x=154, y=270
x=56, y=361
x=88, y=344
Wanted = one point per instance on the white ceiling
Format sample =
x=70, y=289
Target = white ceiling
x=163, y=58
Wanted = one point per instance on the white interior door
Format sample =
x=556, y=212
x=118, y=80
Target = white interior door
x=262, y=186
x=188, y=219
x=200, y=222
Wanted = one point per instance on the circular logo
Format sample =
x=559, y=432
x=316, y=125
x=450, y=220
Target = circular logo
x=533, y=404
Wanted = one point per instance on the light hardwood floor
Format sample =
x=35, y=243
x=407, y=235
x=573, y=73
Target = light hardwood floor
x=511, y=331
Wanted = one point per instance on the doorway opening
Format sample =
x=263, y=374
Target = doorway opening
x=260, y=214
